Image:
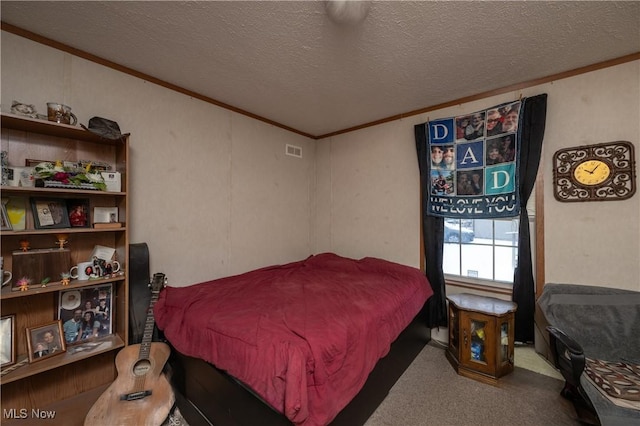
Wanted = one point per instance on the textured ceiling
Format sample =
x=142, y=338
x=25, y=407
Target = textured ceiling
x=289, y=63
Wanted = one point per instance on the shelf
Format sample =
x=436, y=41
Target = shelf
x=34, y=190
x=109, y=343
x=61, y=231
x=9, y=293
x=44, y=127
x=70, y=411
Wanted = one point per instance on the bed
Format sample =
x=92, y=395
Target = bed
x=301, y=338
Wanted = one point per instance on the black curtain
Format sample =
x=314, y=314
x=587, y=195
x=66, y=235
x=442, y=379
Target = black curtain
x=532, y=124
x=433, y=236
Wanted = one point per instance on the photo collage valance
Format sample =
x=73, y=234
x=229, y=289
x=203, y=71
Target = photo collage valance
x=473, y=164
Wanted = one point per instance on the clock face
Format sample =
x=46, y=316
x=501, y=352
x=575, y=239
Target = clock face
x=592, y=172
x=597, y=172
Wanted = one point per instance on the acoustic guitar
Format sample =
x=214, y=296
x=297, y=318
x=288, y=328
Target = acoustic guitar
x=141, y=394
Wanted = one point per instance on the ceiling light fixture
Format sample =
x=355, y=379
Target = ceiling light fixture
x=348, y=12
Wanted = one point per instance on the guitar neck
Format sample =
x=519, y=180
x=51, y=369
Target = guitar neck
x=145, y=345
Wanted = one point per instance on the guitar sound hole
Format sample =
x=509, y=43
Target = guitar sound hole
x=141, y=367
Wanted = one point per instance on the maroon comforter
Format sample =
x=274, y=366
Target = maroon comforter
x=305, y=335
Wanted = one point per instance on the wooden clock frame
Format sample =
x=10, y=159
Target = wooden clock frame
x=620, y=185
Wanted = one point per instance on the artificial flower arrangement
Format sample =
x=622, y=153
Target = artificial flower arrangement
x=68, y=176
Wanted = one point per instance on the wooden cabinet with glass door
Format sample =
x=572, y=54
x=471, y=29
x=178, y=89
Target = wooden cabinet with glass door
x=77, y=376
x=481, y=336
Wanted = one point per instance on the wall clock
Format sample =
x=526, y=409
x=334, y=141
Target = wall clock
x=598, y=172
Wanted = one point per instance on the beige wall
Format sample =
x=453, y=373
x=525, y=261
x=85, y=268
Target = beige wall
x=213, y=193
x=368, y=195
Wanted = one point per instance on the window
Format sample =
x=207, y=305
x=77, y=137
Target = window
x=481, y=249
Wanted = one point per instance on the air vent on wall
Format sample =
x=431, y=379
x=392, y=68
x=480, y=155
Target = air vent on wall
x=294, y=151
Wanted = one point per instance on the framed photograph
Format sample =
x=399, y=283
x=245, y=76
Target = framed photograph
x=86, y=313
x=50, y=213
x=17, y=212
x=78, y=213
x=102, y=252
x=105, y=215
x=30, y=162
x=6, y=224
x=45, y=341
x=8, y=342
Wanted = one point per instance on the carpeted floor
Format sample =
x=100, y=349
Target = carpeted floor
x=527, y=357
x=431, y=393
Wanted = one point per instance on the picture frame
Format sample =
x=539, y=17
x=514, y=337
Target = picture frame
x=102, y=252
x=45, y=341
x=6, y=224
x=78, y=213
x=105, y=215
x=17, y=212
x=50, y=213
x=30, y=162
x=8, y=342
x=86, y=313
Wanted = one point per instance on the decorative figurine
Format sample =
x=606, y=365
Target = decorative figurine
x=23, y=283
x=98, y=267
x=24, y=245
x=45, y=281
x=65, y=278
x=62, y=240
x=20, y=108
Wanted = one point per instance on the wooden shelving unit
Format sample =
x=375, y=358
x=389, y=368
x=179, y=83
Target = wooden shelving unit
x=69, y=383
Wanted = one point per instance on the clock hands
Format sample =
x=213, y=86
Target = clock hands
x=591, y=171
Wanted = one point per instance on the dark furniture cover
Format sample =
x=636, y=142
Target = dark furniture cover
x=593, y=322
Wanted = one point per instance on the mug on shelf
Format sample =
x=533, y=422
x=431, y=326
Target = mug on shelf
x=60, y=114
x=102, y=268
x=112, y=267
x=83, y=271
x=26, y=176
x=7, y=280
x=4, y=273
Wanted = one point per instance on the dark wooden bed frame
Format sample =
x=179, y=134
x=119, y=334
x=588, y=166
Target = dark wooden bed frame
x=206, y=395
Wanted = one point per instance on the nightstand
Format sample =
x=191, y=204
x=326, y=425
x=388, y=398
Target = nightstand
x=481, y=335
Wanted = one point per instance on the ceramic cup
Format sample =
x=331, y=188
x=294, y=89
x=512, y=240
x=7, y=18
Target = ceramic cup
x=114, y=265
x=82, y=271
x=8, y=276
x=4, y=273
x=60, y=114
x=104, y=268
x=26, y=176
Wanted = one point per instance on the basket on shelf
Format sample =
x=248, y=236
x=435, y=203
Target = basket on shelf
x=41, y=183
